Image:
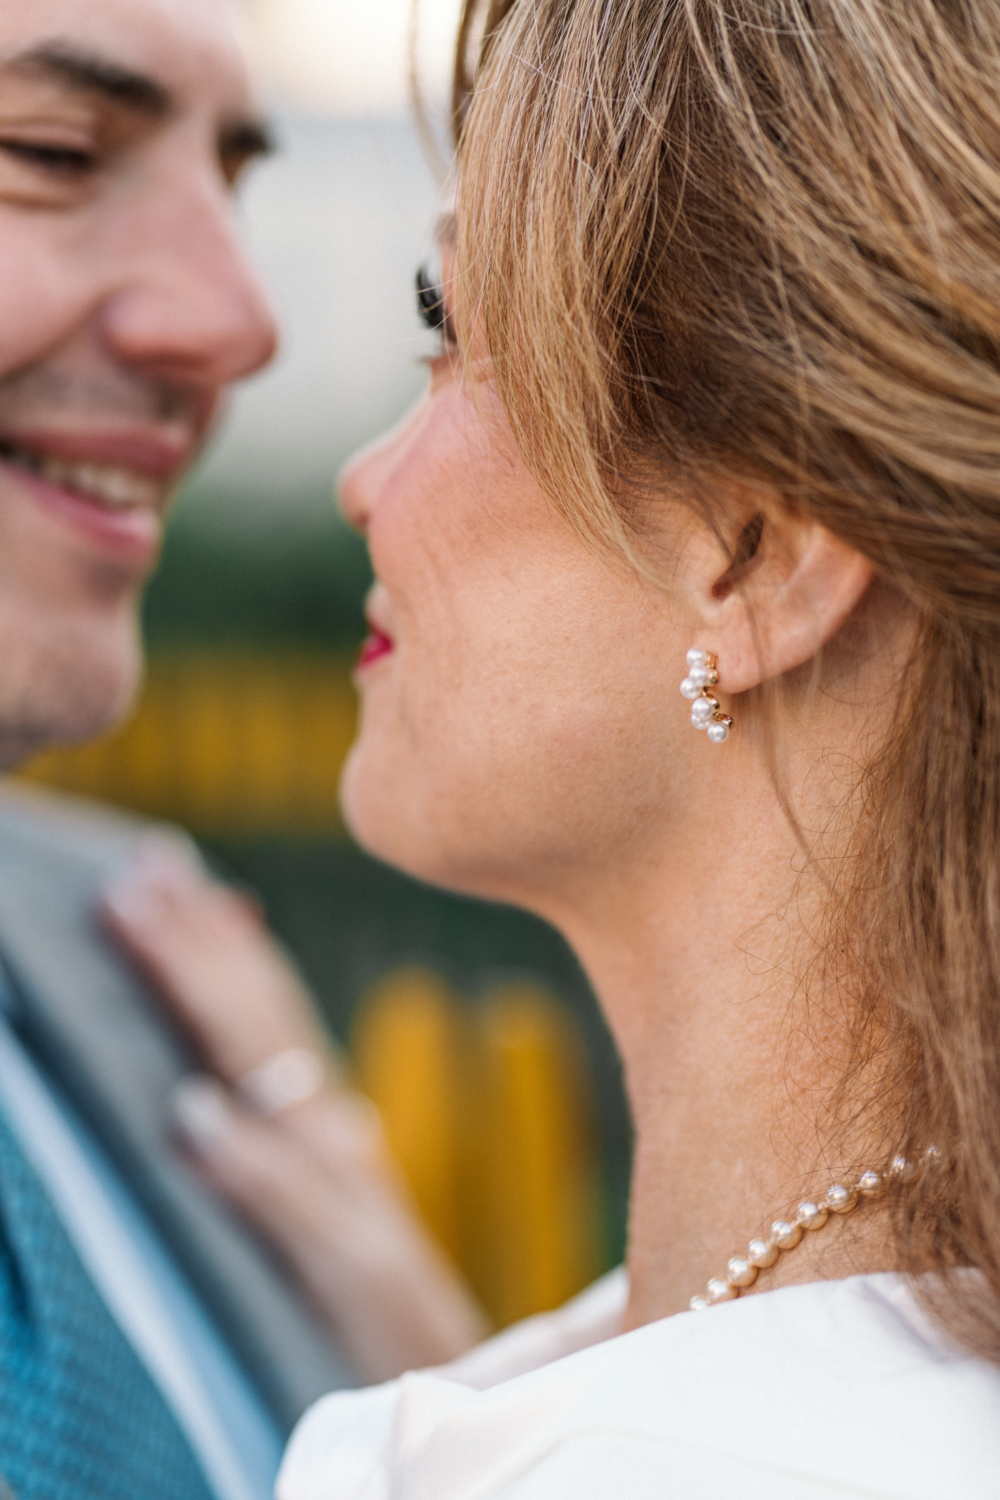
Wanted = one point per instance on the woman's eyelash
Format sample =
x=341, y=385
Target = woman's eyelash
x=431, y=305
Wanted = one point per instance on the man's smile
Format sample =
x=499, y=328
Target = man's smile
x=113, y=485
x=110, y=485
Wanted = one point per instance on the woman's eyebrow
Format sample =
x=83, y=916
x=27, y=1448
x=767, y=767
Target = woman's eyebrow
x=87, y=72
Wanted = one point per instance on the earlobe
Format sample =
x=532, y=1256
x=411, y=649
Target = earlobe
x=805, y=583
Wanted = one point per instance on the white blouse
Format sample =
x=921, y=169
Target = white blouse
x=836, y=1388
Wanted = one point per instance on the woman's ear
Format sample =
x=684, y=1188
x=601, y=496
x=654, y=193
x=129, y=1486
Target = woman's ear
x=786, y=589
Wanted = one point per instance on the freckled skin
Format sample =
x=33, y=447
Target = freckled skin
x=526, y=741
x=517, y=651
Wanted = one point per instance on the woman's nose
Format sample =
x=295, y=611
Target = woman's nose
x=363, y=477
x=354, y=490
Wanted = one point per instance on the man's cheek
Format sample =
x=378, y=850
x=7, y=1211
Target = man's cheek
x=39, y=305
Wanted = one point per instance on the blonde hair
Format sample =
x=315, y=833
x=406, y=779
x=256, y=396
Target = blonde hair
x=766, y=234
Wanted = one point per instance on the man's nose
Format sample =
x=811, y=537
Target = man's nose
x=190, y=306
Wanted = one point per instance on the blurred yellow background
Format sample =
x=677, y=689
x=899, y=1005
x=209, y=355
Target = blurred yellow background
x=489, y=1113
x=225, y=742
x=488, y=1106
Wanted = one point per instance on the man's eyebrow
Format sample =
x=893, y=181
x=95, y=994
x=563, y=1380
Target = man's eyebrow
x=93, y=73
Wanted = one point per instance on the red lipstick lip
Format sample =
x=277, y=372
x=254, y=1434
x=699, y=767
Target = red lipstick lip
x=374, y=646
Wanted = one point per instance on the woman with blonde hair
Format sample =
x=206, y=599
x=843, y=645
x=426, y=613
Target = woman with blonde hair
x=717, y=409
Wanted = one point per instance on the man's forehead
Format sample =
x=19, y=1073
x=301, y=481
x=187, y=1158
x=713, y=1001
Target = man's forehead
x=190, y=48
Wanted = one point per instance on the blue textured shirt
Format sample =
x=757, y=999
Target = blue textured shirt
x=229, y=1431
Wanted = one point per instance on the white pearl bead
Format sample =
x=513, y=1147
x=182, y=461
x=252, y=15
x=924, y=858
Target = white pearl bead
x=762, y=1253
x=720, y=1291
x=740, y=1272
x=698, y=1304
x=701, y=675
x=718, y=733
x=696, y=657
x=786, y=1236
x=812, y=1215
x=690, y=689
x=840, y=1199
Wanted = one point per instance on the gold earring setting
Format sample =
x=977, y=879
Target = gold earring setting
x=705, y=711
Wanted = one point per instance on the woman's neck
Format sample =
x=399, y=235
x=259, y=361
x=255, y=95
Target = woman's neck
x=731, y=1061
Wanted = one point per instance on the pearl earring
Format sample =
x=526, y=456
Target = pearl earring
x=705, y=713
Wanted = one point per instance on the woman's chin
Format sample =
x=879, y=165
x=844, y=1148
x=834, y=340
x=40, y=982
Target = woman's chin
x=379, y=815
x=393, y=824
x=358, y=807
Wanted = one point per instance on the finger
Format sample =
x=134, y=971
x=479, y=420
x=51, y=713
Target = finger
x=218, y=968
x=164, y=879
x=393, y=1300
x=276, y=1180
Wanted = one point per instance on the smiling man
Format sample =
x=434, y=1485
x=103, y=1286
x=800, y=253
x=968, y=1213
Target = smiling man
x=126, y=308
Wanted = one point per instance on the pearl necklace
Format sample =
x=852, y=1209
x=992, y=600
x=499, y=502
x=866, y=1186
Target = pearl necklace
x=743, y=1270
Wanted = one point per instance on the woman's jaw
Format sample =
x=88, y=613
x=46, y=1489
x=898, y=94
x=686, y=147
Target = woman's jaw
x=520, y=722
x=522, y=738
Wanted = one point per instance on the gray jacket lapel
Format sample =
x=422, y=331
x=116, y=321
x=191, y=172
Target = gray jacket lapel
x=87, y=1017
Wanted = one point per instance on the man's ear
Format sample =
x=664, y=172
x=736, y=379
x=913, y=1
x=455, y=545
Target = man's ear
x=786, y=589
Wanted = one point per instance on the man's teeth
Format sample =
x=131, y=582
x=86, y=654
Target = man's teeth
x=111, y=485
